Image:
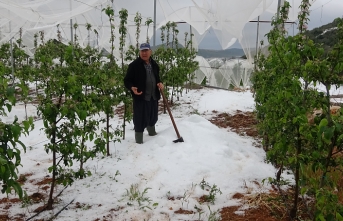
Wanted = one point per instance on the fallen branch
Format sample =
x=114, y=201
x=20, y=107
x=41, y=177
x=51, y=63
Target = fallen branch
x=54, y=216
x=44, y=208
x=336, y=96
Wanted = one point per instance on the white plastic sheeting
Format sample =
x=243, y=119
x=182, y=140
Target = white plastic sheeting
x=226, y=17
x=216, y=62
x=49, y=16
x=204, y=71
x=239, y=71
x=229, y=19
x=231, y=73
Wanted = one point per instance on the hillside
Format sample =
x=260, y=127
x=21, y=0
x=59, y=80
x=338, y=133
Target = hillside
x=326, y=35
x=228, y=53
x=207, y=53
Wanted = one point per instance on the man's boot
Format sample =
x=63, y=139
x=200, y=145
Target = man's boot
x=151, y=130
x=139, y=137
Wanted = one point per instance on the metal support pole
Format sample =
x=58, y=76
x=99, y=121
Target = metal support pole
x=154, y=32
x=71, y=31
x=89, y=38
x=258, y=30
x=12, y=57
x=280, y=4
x=278, y=9
x=190, y=33
x=71, y=25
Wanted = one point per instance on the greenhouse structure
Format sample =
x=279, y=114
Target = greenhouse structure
x=229, y=19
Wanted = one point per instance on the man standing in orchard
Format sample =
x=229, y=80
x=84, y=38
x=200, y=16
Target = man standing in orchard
x=143, y=80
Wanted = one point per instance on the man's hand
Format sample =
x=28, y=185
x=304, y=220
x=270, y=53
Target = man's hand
x=160, y=86
x=134, y=89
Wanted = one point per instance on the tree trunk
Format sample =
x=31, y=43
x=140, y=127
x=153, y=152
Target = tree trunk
x=124, y=120
x=293, y=212
x=53, y=142
x=108, y=134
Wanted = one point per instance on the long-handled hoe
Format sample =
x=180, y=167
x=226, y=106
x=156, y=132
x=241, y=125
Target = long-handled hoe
x=179, y=138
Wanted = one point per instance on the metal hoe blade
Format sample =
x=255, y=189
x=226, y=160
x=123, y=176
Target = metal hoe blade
x=178, y=140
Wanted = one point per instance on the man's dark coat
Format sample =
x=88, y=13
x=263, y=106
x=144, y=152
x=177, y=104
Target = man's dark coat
x=136, y=77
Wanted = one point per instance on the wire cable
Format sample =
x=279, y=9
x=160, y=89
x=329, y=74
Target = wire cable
x=322, y=5
x=95, y=7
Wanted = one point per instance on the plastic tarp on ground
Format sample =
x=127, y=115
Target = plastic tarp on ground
x=216, y=62
x=232, y=73
x=240, y=71
x=203, y=72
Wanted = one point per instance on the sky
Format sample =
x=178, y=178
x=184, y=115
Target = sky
x=218, y=156
x=325, y=11
x=322, y=12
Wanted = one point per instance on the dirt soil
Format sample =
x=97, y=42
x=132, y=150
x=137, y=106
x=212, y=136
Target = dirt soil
x=260, y=208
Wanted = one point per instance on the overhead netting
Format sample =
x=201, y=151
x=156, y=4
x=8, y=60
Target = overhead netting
x=229, y=19
x=226, y=17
